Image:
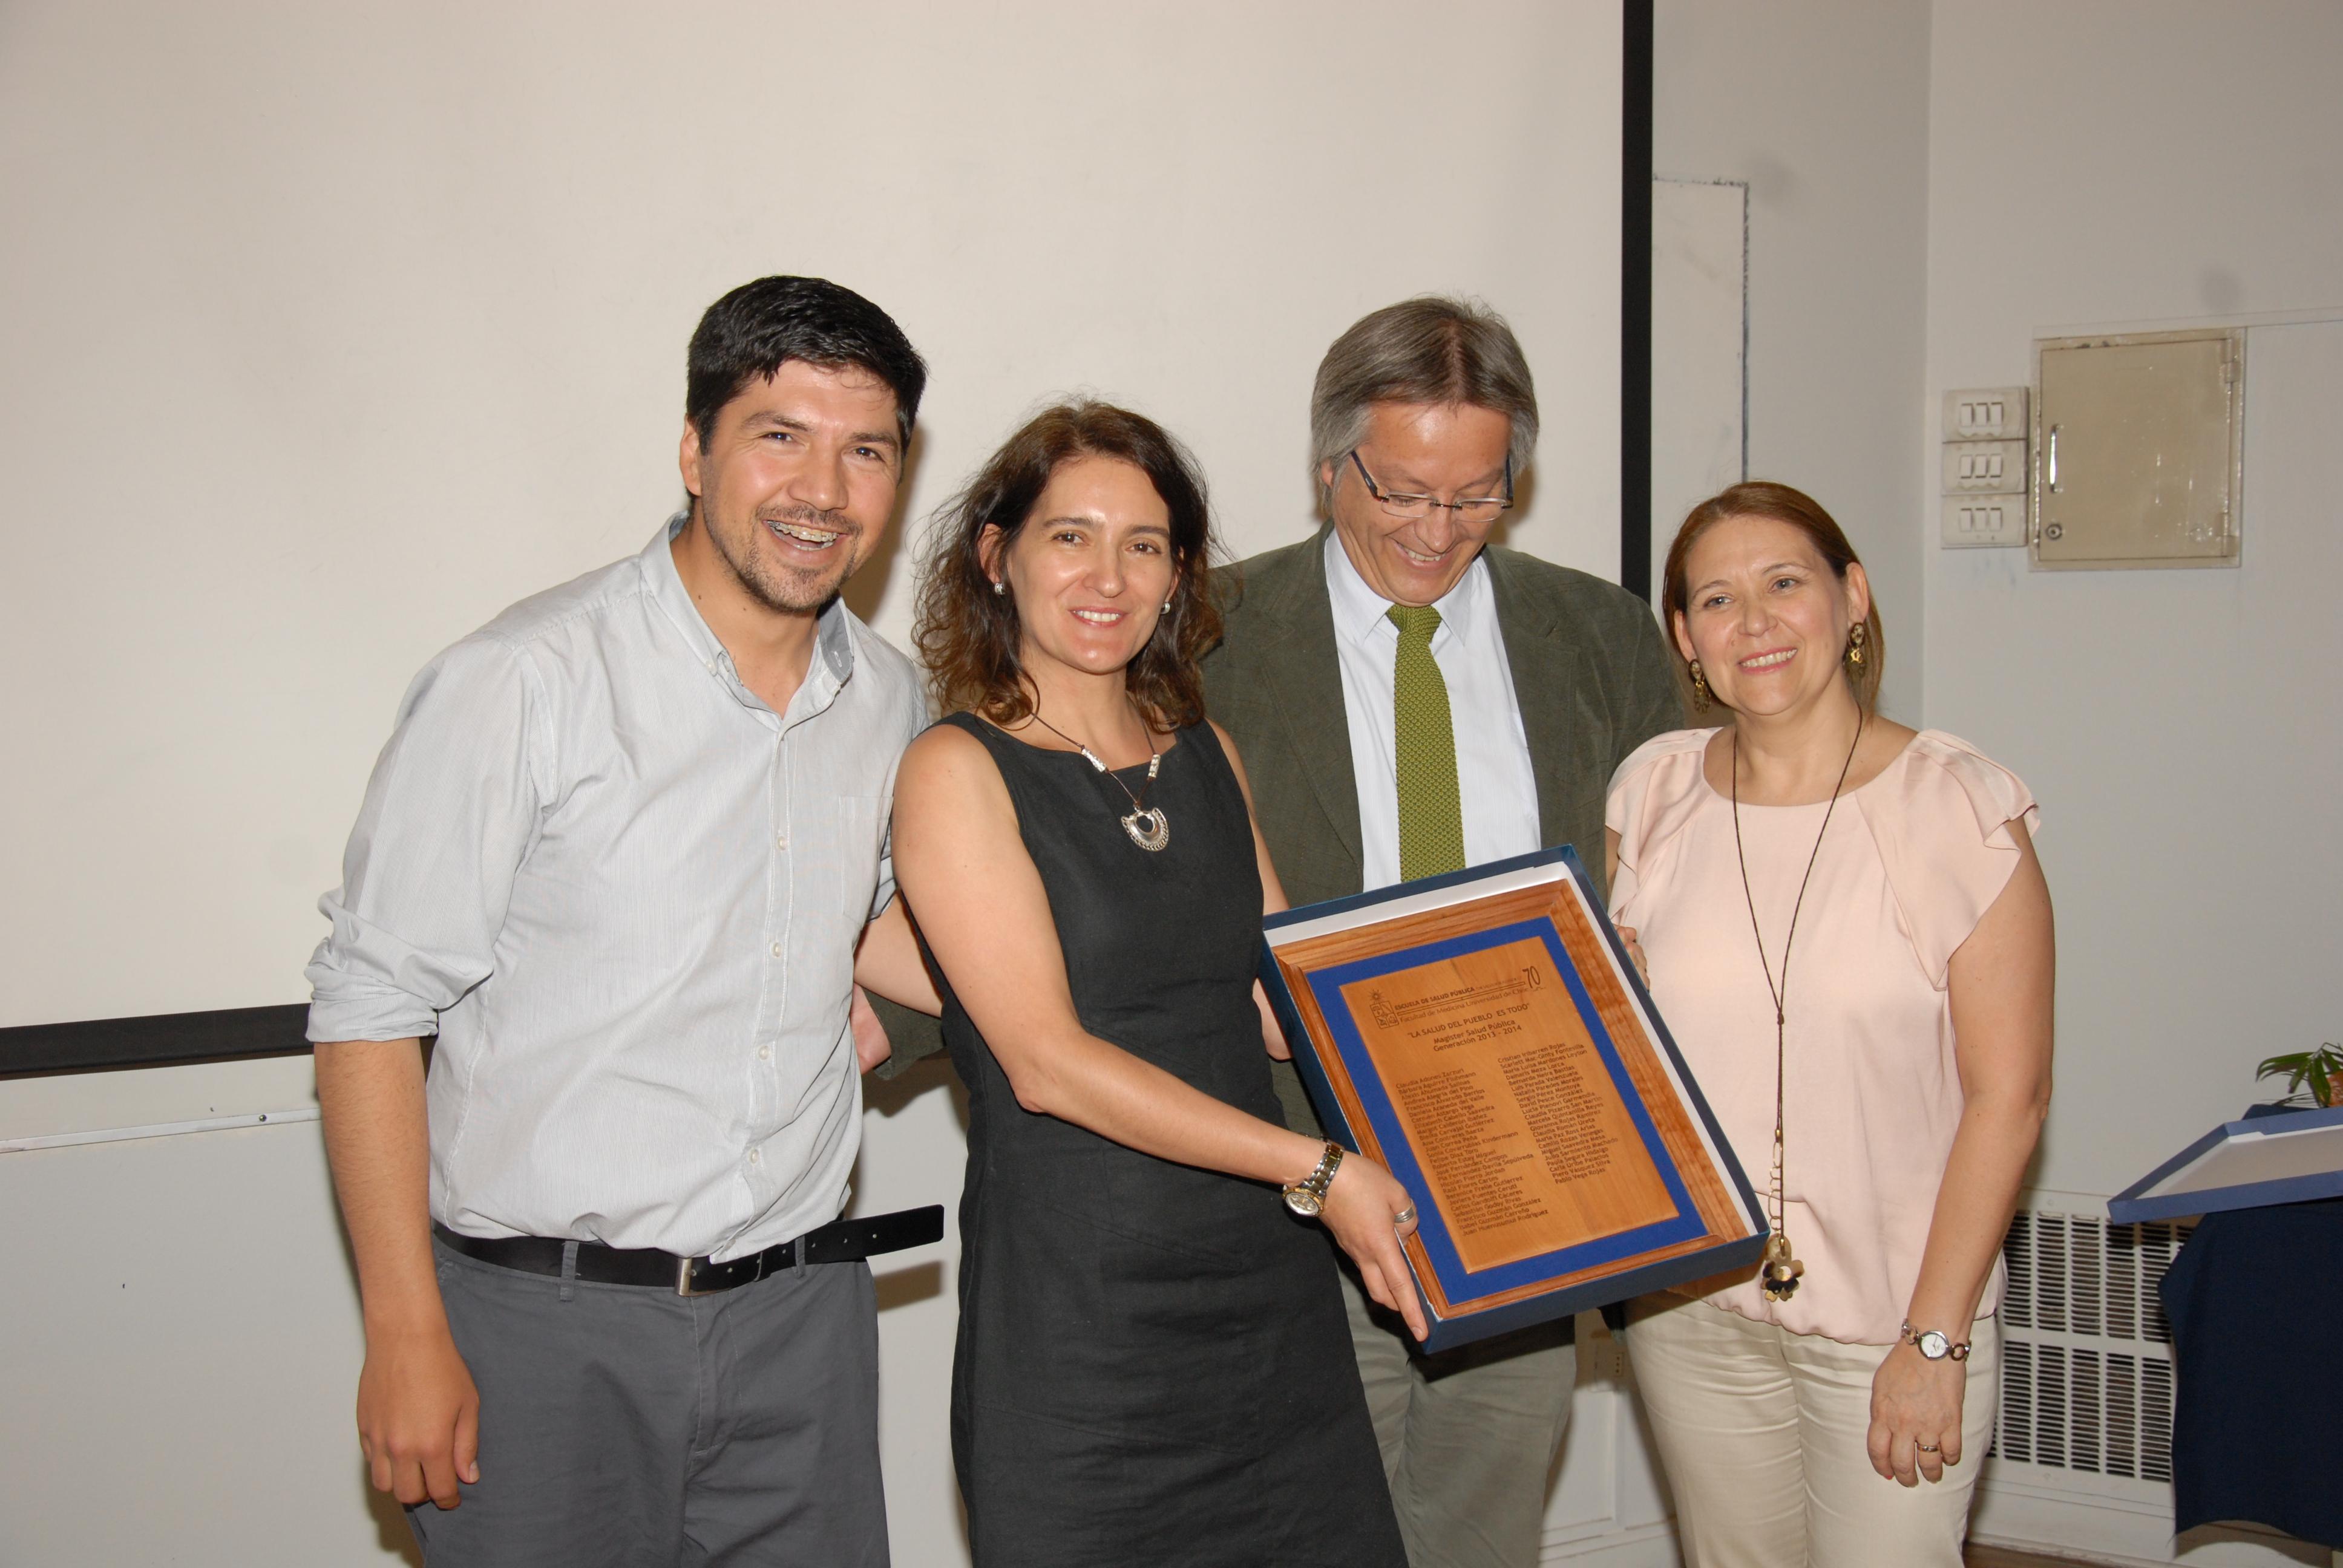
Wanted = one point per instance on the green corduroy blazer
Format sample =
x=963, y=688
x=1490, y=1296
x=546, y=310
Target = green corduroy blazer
x=1592, y=675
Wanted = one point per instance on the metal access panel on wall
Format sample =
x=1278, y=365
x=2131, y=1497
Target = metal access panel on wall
x=2138, y=450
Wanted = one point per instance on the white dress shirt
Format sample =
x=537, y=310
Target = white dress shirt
x=1496, y=785
x=626, y=894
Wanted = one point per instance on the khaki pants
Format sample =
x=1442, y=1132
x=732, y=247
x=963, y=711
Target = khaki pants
x=1468, y=1436
x=1762, y=1433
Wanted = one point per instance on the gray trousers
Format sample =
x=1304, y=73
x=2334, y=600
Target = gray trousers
x=1469, y=1436
x=625, y=1426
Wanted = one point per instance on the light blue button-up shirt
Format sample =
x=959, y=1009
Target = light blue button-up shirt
x=626, y=894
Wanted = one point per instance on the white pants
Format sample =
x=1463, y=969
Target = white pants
x=1761, y=1433
x=1468, y=1436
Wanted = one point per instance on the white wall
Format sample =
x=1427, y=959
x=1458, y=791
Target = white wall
x=2105, y=162
x=329, y=330
x=2176, y=162
x=1931, y=188
x=1699, y=320
x=1934, y=185
x=1822, y=106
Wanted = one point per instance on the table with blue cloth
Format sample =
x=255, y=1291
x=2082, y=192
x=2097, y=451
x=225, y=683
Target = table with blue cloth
x=2253, y=1298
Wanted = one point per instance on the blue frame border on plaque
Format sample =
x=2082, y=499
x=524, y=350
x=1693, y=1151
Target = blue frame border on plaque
x=1463, y=1285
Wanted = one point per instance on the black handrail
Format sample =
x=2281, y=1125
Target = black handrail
x=160, y=1040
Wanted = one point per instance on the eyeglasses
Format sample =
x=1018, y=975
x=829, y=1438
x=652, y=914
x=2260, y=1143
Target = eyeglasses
x=1415, y=508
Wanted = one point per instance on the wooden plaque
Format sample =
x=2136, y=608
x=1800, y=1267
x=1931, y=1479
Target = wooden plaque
x=1485, y=1036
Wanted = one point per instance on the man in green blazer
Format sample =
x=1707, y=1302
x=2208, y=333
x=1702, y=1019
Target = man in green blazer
x=1409, y=700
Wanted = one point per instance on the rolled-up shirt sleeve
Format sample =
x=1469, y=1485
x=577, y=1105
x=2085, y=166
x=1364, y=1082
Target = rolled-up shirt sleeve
x=449, y=812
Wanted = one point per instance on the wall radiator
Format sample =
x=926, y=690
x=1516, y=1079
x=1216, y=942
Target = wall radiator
x=2086, y=1359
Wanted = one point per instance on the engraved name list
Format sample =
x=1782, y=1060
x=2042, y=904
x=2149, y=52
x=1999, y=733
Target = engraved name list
x=1525, y=1141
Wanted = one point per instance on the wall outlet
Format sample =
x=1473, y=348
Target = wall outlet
x=1988, y=467
x=1985, y=414
x=1973, y=522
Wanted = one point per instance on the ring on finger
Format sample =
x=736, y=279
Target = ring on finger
x=1405, y=1216
x=1926, y=1447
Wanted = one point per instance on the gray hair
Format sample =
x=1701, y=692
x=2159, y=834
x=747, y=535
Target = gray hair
x=1434, y=348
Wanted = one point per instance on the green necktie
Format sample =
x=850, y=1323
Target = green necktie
x=1430, y=815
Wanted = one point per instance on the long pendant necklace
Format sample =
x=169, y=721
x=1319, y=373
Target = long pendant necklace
x=1148, y=828
x=1779, y=1279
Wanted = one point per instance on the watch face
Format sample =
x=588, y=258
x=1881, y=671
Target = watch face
x=1933, y=1344
x=1303, y=1202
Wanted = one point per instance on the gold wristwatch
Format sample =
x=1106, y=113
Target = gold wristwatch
x=1307, y=1196
x=1935, y=1344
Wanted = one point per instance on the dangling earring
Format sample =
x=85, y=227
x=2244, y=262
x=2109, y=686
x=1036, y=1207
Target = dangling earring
x=1699, y=688
x=997, y=587
x=1854, y=646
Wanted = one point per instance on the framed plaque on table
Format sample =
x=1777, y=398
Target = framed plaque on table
x=2271, y=1157
x=1484, y=1037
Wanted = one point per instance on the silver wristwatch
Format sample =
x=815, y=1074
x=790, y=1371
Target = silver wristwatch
x=1934, y=1343
x=1307, y=1196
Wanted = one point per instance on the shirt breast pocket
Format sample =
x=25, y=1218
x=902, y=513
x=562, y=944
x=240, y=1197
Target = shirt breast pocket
x=857, y=838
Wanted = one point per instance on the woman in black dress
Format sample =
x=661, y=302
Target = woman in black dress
x=1153, y=1365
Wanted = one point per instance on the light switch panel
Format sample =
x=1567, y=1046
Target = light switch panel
x=1990, y=468
x=1985, y=414
x=1985, y=470
x=1973, y=522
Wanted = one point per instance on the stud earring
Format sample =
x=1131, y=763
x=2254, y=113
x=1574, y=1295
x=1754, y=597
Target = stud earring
x=1699, y=688
x=1855, y=645
x=997, y=587
x=1167, y=607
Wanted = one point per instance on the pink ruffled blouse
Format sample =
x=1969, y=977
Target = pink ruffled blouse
x=1872, y=1095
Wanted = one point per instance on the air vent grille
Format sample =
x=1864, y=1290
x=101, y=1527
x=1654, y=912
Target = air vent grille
x=2087, y=1368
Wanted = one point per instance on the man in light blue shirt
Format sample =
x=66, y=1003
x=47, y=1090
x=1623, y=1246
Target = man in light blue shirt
x=625, y=855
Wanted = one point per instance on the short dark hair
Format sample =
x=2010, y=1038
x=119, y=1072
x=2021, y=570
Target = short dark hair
x=969, y=636
x=751, y=332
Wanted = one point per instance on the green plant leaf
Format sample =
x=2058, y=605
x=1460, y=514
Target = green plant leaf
x=2321, y=1071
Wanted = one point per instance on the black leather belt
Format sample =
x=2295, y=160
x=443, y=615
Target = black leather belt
x=839, y=1242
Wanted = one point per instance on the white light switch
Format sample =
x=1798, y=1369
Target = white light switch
x=1985, y=414
x=1975, y=521
x=1991, y=467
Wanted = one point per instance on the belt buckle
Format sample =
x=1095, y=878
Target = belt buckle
x=686, y=1270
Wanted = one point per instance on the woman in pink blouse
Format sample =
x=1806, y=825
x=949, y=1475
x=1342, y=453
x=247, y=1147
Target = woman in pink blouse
x=1882, y=1070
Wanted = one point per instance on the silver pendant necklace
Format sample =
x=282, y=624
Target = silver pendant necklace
x=1778, y=1279
x=1148, y=828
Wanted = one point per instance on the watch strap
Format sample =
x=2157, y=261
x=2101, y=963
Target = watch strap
x=1955, y=1350
x=1308, y=1196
